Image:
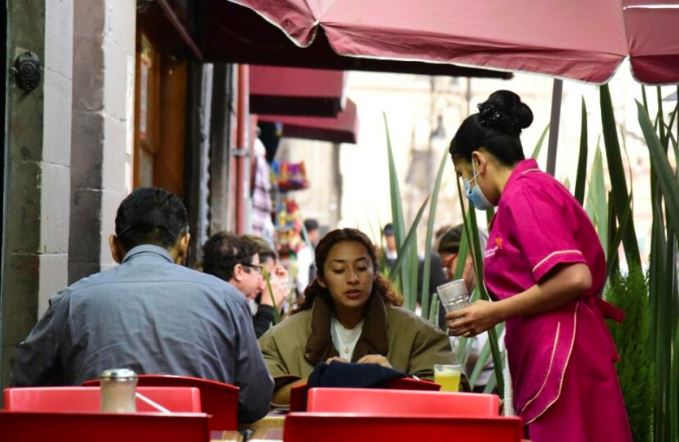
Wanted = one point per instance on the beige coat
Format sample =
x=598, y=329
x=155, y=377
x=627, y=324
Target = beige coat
x=292, y=348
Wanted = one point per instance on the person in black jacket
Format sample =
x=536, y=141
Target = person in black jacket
x=274, y=295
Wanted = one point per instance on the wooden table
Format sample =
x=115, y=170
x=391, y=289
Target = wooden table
x=269, y=428
x=226, y=436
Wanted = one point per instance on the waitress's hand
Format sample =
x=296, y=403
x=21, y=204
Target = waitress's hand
x=472, y=320
x=375, y=359
x=469, y=275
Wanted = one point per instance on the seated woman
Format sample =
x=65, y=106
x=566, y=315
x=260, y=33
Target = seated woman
x=350, y=313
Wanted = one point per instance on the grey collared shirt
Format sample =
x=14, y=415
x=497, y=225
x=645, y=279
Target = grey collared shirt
x=152, y=316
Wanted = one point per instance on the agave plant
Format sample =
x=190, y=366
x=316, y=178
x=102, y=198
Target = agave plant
x=664, y=295
x=404, y=272
x=619, y=193
x=657, y=330
x=596, y=204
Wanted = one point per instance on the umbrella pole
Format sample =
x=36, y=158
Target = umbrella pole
x=557, y=92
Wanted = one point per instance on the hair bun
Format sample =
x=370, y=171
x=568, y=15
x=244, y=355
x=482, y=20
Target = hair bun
x=504, y=112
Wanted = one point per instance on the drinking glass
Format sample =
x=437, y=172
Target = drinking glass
x=448, y=376
x=453, y=295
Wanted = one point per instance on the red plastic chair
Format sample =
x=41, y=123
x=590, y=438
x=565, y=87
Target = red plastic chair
x=304, y=427
x=413, y=384
x=298, y=394
x=401, y=402
x=87, y=399
x=17, y=426
x=217, y=398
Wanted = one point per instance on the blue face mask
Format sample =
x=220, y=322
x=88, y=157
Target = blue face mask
x=475, y=194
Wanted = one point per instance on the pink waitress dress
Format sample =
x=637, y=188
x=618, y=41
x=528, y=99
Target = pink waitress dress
x=561, y=361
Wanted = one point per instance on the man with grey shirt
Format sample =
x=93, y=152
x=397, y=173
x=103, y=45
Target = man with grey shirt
x=148, y=314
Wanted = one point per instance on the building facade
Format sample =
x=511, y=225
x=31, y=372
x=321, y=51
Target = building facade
x=123, y=100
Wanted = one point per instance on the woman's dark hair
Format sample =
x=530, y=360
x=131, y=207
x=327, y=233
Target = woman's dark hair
x=150, y=215
x=224, y=250
x=381, y=286
x=496, y=127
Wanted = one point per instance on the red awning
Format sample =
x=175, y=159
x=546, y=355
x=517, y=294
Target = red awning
x=579, y=39
x=653, y=34
x=341, y=129
x=296, y=91
x=228, y=32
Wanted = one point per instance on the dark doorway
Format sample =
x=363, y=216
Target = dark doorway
x=5, y=150
x=4, y=163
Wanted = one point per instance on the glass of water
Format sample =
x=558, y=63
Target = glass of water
x=453, y=295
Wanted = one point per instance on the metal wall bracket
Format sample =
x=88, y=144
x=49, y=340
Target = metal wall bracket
x=240, y=152
x=26, y=71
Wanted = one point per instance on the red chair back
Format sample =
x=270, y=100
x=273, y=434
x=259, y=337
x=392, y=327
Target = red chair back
x=298, y=394
x=303, y=427
x=217, y=398
x=412, y=384
x=87, y=399
x=401, y=402
x=19, y=426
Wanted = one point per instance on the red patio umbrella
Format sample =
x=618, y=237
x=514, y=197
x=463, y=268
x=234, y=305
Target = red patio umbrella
x=577, y=39
x=652, y=28
x=227, y=32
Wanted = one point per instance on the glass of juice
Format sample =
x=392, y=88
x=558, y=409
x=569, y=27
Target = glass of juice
x=448, y=376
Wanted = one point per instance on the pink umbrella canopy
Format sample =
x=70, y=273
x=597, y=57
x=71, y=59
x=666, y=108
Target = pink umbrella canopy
x=577, y=39
x=653, y=34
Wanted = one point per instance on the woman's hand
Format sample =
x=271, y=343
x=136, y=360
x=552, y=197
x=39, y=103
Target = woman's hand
x=336, y=359
x=472, y=320
x=375, y=359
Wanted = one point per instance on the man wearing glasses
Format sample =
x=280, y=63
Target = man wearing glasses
x=235, y=259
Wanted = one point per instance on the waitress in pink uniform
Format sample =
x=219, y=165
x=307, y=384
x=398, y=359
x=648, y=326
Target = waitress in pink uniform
x=545, y=269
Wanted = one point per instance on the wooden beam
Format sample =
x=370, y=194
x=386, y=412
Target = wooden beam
x=179, y=27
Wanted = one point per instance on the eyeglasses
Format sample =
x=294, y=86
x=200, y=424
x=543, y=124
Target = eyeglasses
x=258, y=268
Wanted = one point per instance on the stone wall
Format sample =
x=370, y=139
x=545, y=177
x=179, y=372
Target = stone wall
x=38, y=170
x=103, y=124
x=69, y=152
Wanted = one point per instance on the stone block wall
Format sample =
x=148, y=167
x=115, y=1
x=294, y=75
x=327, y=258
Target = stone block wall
x=102, y=126
x=38, y=141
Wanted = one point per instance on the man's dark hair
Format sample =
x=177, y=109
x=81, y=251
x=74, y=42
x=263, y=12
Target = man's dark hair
x=388, y=229
x=310, y=224
x=450, y=241
x=224, y=250
x=151, y=215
